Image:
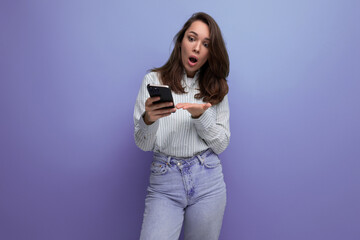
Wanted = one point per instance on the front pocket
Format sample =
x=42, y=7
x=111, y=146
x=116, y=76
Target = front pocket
x=158, y=168
x=212, y=161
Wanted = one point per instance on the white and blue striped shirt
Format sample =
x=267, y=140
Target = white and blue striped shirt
x=180, y=135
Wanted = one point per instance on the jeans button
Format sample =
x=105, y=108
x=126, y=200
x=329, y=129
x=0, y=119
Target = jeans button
x=179, y=164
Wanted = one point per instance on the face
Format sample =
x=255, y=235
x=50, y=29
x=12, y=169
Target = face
x=195, y=47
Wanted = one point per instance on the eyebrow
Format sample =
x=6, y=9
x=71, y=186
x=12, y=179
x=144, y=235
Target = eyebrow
x=208, y=39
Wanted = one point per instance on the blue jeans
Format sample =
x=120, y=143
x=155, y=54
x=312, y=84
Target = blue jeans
x=189, y=191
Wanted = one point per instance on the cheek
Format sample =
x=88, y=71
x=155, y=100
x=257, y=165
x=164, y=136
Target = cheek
x=185, y=46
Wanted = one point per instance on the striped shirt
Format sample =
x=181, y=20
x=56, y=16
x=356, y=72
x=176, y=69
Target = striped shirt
x=179, y=134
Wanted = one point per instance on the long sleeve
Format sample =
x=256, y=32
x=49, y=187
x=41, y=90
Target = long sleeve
x=178, y=134
x=145, y=135
x=213, y=126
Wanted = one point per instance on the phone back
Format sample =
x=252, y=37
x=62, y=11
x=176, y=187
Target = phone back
x=163, y=91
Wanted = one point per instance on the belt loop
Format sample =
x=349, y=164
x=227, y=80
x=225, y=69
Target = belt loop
x=200, y=159
x=168, y=160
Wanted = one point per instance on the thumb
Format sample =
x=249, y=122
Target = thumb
x=206, y=106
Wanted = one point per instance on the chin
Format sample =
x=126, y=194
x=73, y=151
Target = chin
x=191, y=73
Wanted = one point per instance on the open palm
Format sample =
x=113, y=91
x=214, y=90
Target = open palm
x=195, y=109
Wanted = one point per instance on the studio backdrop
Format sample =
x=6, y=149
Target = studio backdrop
x=70, y=72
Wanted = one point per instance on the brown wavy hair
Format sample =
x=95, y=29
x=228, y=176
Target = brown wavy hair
x=212, y=76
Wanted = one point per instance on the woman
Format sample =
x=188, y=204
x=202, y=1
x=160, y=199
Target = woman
x=186, y=182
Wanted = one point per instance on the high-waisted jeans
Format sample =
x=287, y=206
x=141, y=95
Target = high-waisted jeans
x=189, y=191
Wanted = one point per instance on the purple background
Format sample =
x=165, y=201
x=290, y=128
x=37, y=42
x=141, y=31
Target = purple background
x=70, y=72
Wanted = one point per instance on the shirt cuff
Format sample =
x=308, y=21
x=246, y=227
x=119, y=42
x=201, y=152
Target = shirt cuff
x=205, y=120
x=148, y=129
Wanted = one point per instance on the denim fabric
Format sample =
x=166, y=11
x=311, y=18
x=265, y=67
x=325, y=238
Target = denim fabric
x=189, y=191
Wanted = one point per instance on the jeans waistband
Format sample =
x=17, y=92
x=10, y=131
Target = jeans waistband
x=174, y=160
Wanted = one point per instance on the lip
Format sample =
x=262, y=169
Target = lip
x=191, y=63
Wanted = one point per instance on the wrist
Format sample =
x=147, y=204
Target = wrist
x=146, y=119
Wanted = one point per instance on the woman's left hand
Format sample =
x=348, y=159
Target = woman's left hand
x=195, y=109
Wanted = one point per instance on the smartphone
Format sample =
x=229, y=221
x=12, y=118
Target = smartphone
x=163, y=91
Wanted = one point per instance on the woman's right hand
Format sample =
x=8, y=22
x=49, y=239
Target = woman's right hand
x=153, y=110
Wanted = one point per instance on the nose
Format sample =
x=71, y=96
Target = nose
x=197, y=47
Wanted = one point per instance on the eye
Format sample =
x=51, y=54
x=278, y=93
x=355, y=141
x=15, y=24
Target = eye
x=191, y=39
x=206, y=44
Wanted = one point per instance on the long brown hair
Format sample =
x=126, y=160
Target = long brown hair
x=212, y=76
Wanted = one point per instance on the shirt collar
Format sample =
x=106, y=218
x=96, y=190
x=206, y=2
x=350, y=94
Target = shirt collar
x=190, y=82
x=196, y=76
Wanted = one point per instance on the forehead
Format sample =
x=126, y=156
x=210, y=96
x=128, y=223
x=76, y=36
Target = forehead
x=200, y=28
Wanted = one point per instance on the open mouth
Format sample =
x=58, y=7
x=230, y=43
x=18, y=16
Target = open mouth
x=193, y=59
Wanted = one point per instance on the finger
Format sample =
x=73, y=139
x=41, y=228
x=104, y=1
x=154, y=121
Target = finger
x=161, y=105
x=206, y=106
x=180, y=105
x=189, y=105
x=154, y=99
x=164, y=111
x=186, y=105
x=150, y=100
x=164, y=115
